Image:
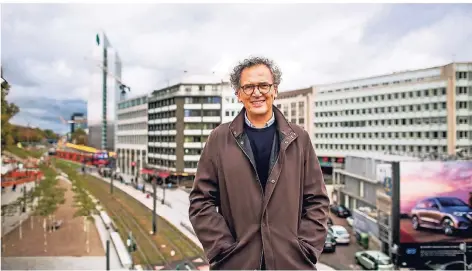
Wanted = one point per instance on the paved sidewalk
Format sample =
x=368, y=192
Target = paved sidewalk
x=9, y=196
x=175, y=196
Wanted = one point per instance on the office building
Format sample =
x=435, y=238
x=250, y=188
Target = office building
x=180, y=118
x=78, y=121
x=412, y=112
x=132, y=134
x=94, y=136
x=297, y=107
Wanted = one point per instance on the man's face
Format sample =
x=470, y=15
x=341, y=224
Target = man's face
x=257, y=100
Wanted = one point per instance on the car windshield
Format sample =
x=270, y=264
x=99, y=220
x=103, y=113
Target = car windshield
x=449, y=202
x=340, y=231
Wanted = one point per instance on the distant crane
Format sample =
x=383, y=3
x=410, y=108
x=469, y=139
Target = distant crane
x=72, y=121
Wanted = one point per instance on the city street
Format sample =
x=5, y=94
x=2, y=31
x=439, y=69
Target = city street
x=343, y=258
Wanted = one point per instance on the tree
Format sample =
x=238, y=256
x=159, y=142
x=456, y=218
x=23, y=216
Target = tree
x=48, y=133
x=8, y=111
x=79, y=137
x=50, y=196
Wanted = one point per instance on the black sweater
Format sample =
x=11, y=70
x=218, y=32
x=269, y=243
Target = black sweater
x=261, y=145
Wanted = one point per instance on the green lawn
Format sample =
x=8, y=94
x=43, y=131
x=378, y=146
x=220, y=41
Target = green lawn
x=23, y=153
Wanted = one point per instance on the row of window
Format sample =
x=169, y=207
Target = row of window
x=161, y=103
x=203, y=100
x=459, y=75
x=132, y=126
x=133, y=139
x=201, y=112
x=161, y=162
x=171, y=151
x=369, y=147
x=130, y=152
x=388, y=109
x=171, y=163
x=231, y=113
x=162, y=115
x=132, y=115
x=187, y=126
x=462, y=75
x=162, y=127
x=384, y=84
x=386, y=122
x=166, y=138
x=388, y=135
x=131, y=103
x=171, y=138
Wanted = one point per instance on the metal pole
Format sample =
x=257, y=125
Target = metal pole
x=163, y=190
x=111, y=184
x=24, y=198
x=154, y=226
x=108, y=255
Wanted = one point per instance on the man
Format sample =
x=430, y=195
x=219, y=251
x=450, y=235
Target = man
x=263, y=175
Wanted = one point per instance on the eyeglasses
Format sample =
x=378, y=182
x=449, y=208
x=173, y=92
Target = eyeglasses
x=263, y=88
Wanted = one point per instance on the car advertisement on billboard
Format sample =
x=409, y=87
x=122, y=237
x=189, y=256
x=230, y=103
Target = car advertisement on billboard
x=435, y=210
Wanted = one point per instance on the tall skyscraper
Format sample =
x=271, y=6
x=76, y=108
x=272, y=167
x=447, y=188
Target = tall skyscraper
x=104, y=94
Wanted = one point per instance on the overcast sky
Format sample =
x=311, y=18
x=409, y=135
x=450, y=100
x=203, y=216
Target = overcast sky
x=45, y=46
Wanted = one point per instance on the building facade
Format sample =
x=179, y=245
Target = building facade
x=132, y=134
x=297, y=107
x=413, y=112
x=94, y=136
x=231, y=106
x=78, y=121
x=180, y=119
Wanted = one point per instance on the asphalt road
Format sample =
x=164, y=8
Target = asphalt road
x=343, y=258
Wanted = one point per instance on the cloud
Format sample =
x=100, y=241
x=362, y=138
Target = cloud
x=46, y=48
x=46, y=112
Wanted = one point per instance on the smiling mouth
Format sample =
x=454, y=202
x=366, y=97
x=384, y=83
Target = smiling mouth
x=258, y=102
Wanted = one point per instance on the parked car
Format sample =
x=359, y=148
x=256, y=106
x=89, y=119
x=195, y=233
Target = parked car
x=448, y=214
x=340, y=233
x=330, y=243
x=374, y=260
x=340, y=210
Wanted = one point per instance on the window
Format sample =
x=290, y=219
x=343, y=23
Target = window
x=461, y=75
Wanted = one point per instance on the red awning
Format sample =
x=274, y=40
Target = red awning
x=148, y=171
x=163, y=174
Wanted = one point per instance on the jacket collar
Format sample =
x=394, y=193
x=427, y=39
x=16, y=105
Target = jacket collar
x=237, y=125
x=269, y=123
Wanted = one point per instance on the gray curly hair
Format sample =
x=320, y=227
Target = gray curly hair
x=235, y=77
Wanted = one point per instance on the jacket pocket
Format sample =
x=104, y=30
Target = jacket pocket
x=220, y=257
x=306, y=252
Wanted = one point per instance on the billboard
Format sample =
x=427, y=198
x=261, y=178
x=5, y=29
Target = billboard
x=435, y=211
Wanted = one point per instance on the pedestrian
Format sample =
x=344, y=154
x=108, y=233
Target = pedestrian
x=264, y=176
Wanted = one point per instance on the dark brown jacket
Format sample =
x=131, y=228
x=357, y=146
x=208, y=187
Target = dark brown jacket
x=287, y=223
